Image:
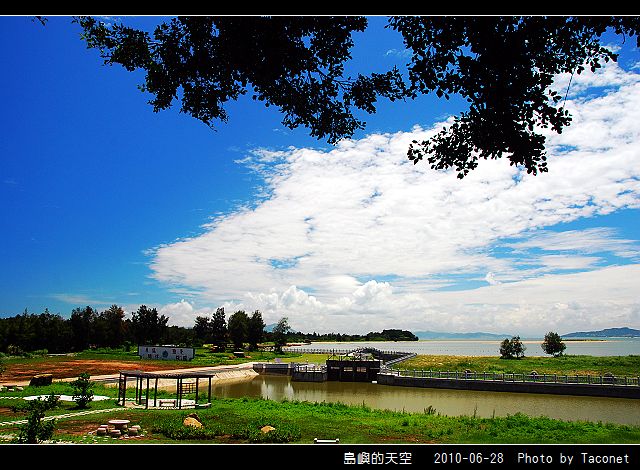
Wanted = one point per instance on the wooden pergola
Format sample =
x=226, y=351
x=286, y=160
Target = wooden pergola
x=145, y=379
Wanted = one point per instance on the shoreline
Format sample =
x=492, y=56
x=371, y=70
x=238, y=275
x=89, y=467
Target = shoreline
x=475, y=340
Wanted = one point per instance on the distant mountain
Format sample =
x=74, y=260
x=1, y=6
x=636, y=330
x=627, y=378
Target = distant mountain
x=606, y=333
x=442, y=335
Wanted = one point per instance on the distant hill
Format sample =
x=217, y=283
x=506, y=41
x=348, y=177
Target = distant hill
x=442, y=335
x=606, y=333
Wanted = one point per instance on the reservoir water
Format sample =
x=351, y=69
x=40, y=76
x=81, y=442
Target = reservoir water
x=445, y=402
x=606, y=347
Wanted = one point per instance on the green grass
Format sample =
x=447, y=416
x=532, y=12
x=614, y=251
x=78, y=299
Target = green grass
x=570, y=365
x=305, y=358
x=240, y=420
x=57, y=388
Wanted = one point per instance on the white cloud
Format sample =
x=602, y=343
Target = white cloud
x=592, y=240
x=82, y=299
x=358, y=237
x=491, y=279
x=183, y=313
x=402, y=53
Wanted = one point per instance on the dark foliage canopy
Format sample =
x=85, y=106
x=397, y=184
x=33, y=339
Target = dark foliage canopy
x=503, y=66
x=553, y=344
x=510, y=348
x=294, y=63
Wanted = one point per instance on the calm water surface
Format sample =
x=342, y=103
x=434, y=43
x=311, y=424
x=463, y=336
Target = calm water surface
x=446, y=402
x=608, y=347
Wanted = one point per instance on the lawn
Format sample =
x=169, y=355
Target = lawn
x=241, y=420
x=564, y=365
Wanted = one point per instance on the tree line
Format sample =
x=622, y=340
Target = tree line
x=88, y=328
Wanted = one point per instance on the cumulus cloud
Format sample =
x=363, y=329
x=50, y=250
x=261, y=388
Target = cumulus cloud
x=359, y=238
x=183, y=313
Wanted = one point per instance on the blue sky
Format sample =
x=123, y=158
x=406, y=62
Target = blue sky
x=105, y=201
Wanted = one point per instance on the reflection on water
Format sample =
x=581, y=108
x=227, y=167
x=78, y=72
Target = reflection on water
x=446, y=402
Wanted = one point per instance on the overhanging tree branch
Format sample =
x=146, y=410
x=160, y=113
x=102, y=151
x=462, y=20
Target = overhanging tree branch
x=502, y=66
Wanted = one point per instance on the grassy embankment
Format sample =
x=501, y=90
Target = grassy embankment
x=240, y=420
x=564, y=365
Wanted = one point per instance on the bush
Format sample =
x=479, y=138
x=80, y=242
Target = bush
x=82, y=390
x=13, y=350
x=283, y=432
x=37, y=429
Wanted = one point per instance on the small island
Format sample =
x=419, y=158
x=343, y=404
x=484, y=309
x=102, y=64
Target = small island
x=384, y=335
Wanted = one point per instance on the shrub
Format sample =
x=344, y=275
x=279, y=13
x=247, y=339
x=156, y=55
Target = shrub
x=283, y=432
x=82, y=390
x=13, y=350
x=36, y=428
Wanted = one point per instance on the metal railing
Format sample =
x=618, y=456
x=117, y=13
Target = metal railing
x=327, y=352
x=512, y=377
x=341, y=352
x=400, y=359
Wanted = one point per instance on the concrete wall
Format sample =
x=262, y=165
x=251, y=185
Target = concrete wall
x=612, y=391
x=273, y=368
x=310, y=376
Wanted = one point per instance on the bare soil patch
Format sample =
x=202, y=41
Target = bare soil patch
x=62, y=368
x=7, y=412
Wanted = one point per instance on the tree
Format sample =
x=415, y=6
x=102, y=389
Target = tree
x=219, y=332
x=553, y=344
x=36, y=428
x=51, y=333
x=255, y=330
x=82, y=390
x=510, y=348
x=280, y=334
x=518, y=347
x=202, y=329
x=81, y=321
x=148, y=326
x=506, y=351
x=238, y=324
x=503, y=66
x=110, y=327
